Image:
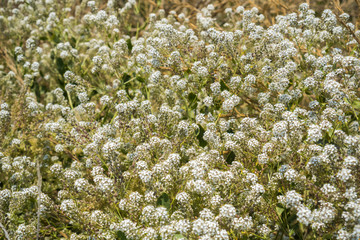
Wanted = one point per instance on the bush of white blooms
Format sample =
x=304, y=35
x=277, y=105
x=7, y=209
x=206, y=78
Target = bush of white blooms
x=177, y=130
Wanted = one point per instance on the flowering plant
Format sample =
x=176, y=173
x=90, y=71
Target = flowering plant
x=180, y=130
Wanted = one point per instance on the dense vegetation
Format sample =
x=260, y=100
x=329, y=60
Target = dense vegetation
x=177, y=129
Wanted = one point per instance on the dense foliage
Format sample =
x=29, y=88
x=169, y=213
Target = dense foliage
x=174, y=130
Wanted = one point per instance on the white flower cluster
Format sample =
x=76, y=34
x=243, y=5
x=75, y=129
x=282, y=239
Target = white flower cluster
x=178, y=130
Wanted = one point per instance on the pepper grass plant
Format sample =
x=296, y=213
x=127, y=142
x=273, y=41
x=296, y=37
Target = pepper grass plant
x=213, y=129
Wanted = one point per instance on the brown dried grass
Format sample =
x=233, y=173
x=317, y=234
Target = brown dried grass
x=270, y=8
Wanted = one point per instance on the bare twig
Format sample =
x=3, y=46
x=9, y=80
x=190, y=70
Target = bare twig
x=282, y=5
x=10, y=63
x=358, y=2
x=232, y=115
x=39, y=197
x=5, y=232
x=186, y=5
x=338, y=7
x=72, y=156
x=151, y=2
x=61, y=233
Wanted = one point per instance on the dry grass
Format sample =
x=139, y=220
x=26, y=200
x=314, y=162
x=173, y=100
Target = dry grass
x=270, y=8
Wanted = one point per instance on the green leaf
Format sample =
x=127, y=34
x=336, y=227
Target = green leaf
x=60, y=66
x=356, y=104
x=301, y=227
x=36, y=88
x=129, y=44
x=223, y=86
x=120, y=235
x=140, y=79
x=179, y=236
x=200, y=136
x=55, y=36
x=73, y=42
x=164, y=200
x=191, y=97
x=230, y=158
x=126, y=77
x=279, y=210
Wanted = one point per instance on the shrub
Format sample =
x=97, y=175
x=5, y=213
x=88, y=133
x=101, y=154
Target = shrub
x=177, y=130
